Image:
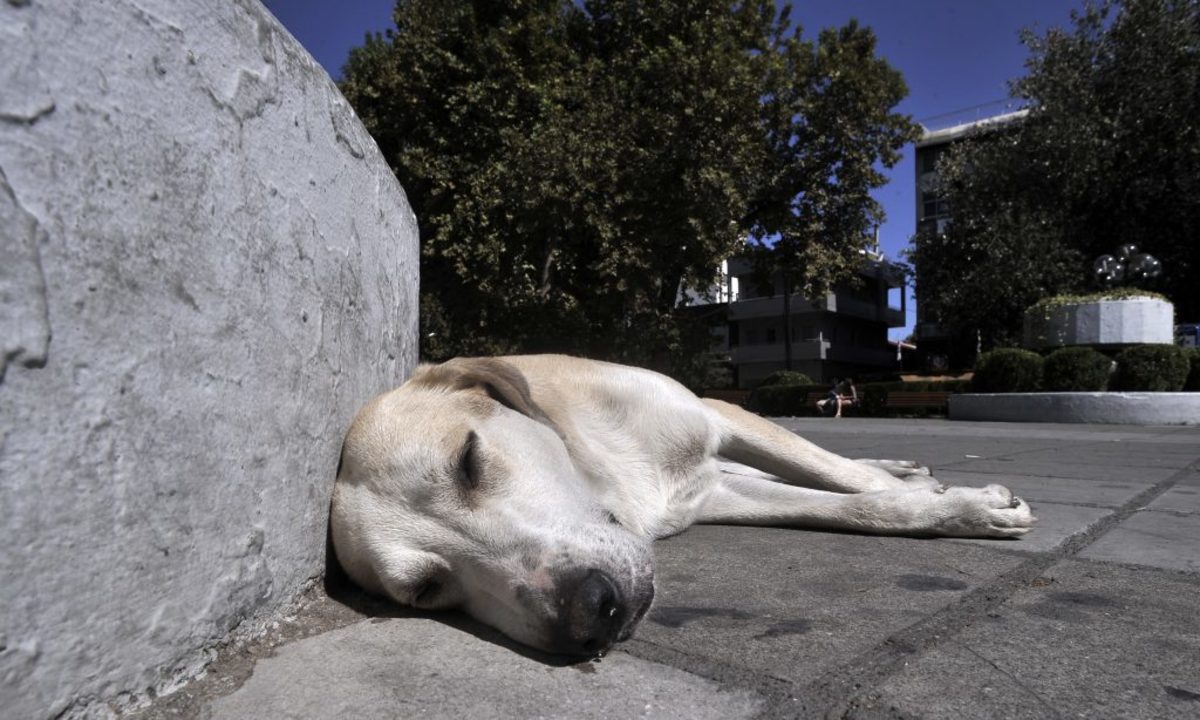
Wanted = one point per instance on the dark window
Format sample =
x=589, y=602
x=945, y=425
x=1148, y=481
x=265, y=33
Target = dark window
x=929, y=158
x=933, y=206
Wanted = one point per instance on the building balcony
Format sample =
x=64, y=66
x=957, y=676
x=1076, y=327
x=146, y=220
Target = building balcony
x=770, y=307
x=842, y=304
x=872, y=357
x=801, y=350
x=865, y=310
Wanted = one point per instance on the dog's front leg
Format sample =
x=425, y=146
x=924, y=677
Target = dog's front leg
x=749, y=439
x=992, y=511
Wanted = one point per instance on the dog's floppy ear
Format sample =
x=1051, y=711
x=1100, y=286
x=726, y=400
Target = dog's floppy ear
x=500, y=380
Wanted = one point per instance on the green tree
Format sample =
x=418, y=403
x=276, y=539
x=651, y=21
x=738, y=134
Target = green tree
x=1109, y=154
x=571, y=165
x=831, y=125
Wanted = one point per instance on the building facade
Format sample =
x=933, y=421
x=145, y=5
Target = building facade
x=937, y=348
x=843, y=334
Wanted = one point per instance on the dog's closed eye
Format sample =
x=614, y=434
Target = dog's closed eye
x=426, y=593
x=468, y=463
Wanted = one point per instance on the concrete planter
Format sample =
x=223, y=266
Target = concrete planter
x=1112, y=408
x=1125, y=321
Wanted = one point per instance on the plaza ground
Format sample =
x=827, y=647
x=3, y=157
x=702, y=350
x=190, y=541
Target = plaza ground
x=1096, y=614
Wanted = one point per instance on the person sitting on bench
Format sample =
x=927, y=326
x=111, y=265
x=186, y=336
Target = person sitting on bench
x=841, y=395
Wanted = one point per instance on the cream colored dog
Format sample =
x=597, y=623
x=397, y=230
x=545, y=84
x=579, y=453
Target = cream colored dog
x=526, y=491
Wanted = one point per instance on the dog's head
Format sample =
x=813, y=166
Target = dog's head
x=456, y=490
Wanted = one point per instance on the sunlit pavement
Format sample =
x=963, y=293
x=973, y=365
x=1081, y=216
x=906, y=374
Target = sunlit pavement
x=1095, y=614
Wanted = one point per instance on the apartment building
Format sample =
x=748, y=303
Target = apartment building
x=936, y=347
x=843, y=334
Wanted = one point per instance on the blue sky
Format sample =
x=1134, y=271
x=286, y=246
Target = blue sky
x=956, y=55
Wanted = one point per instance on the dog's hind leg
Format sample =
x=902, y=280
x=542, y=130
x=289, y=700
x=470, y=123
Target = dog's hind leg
x=749, y=439
x=991, y=511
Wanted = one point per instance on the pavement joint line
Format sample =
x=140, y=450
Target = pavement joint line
x=1185, y=576
x=1074, y=544
x=854, y=683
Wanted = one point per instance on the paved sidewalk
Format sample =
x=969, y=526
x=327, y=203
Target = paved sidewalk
x=1096, y=614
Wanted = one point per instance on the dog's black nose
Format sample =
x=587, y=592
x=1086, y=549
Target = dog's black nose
x=593, y=613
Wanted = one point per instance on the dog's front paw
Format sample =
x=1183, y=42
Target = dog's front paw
x=991, y=511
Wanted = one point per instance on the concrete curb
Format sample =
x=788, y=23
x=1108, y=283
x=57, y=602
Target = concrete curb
x=1112, y=408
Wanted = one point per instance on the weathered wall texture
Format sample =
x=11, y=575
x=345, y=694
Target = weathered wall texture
x=205, y=268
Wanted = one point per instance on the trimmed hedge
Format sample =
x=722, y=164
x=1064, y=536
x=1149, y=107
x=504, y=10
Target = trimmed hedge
x=786, y=377
x=1153, y=368
x=1076, y=369
x=1007, y=370
x=1193, y=379
x=782, y=399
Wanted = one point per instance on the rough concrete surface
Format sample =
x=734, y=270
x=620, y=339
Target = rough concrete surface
x=356, y=672
x=782, y=623
x=205, y=269
x=1116, y=321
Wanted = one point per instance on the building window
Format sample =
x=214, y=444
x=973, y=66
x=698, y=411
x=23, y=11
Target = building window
x=770, y=336
x=929, y=158
x=933, y=206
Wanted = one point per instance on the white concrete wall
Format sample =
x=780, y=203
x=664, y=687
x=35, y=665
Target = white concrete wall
x=205, y=268
x=1126, y=321
x=1112, y=408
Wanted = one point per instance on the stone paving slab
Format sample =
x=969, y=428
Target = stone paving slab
x=1118, y=454
x=1070, y=466
x=1184, y=497
x=792, y=603
x=1158, y=539
x=420, y=668
x=1094, y=614
x=1082, y=640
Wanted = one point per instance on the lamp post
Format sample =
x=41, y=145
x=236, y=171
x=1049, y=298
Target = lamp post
x=1127, y=266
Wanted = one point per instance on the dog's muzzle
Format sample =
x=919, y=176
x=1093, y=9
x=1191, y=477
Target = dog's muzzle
x=594, y=614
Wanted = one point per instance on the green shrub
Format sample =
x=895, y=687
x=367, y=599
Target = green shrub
x=1008, y=370
x=1154, y=368
x=785, y=377
x=782, y=399
x=1080, y=369
x=1193, y=379
x=871, y=398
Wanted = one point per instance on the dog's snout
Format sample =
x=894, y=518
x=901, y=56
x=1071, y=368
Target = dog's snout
x=593, y=613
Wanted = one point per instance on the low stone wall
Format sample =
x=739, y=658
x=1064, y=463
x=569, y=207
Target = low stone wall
x=1114, y=408
x=205, y=269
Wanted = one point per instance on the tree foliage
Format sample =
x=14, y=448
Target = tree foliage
x=1109, y=154
x=572, y=164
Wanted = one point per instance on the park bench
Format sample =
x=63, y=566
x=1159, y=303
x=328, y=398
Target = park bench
x=736, y=397
x=916, y=399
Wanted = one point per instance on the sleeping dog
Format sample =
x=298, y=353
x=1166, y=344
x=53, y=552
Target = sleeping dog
x=527, y=490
